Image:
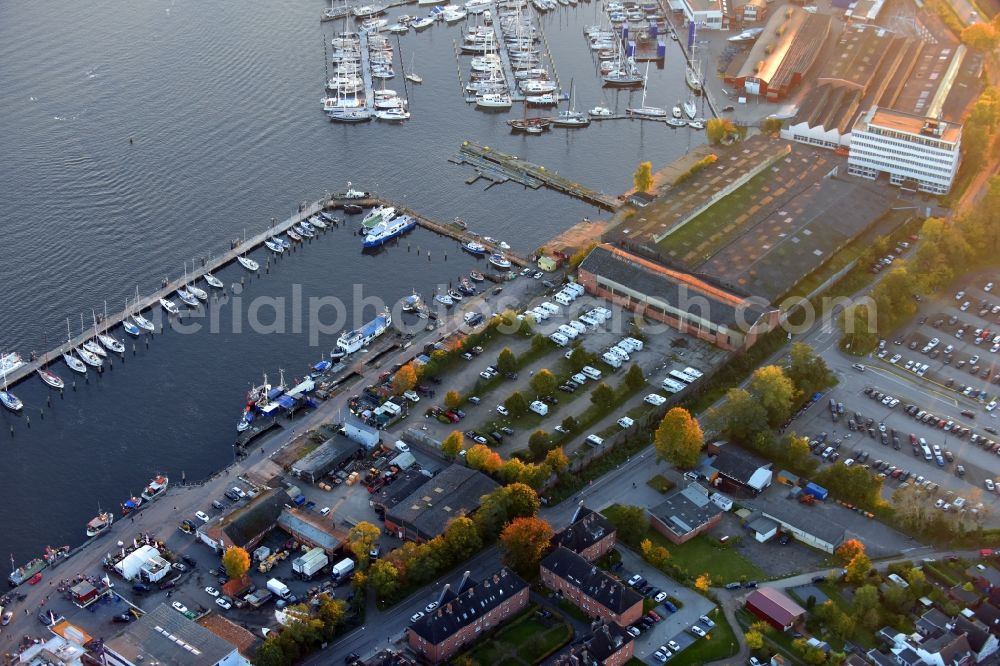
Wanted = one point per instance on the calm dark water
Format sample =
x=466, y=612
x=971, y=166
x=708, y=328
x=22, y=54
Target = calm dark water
x=222, y=104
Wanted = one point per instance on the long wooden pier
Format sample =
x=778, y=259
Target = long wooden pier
x=533, y=175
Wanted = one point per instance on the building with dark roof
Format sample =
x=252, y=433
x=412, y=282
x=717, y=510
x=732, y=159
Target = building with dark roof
x=982, y=642
x=325, y=458
x=691, y=304
x=165, y=637
x=595, y=592
x=426, y=512
x=247, y=525
x=311, y=529
x=782, y=55
x=933, y=623
x=589, y=534
x=737, y=470
x=608, y=644
x=395, y=492
x=243, y=639
x=475, y=610
x=685, y=514
x=989, y=615
x=774, y=607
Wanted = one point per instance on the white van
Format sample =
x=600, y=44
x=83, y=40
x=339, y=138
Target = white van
x=671, y=386
x=569, y=331
x=539, y=314
x=619, y=352
x=606, y=313
x=589, y=322
x=594, y=440
x=593, y=373
x=635, y=345
x=694, y=372
x=578, y=326
x=611, y=360
x=551, y=308
x=563, y=298
x=579, y=379
x=576, y=288
x=560, y=339
x=539, y=407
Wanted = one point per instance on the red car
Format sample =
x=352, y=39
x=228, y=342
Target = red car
x=452, y=416
x=653, y=616
x=36, y=579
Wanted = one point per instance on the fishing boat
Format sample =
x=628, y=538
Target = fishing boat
x=477, y=276
x=275, y=247
x=412, y=302
x=389, y=230
x=600, y=112
x=444, y=299
x=11, y=361
x=156, y=487
x=52, y=379
x=499, y=261
x=455, y=294
x=111, y=343
x=351, y=341
x=212, y=281
x=474, y=247
x=187, y=297
x=100, y=523
x=377, y=216
x=294, y=236
x=169, y=306
x=248, y=263
x=89, y=357
x=130, y=505
x=26, y=572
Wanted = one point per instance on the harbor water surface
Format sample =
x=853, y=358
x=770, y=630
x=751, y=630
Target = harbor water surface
x=141, y=136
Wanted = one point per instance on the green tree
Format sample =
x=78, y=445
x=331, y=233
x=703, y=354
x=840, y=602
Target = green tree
x=236, y=561
x=771, y=125
x=631, y=524
x=556, y=460
x=808, y=372
x=658, y=556
x=516, y=404
x=362, y=538
x=754, y=639
x=859, y=324
x=452, y=444
x=579, y=358
x=774, y=391
x=857, y=569
x=603, y=396
x=539, y=443
x=569, y=424
x=503, y=505
x=866, y=597
x=633, y=378
x=740, y=417
x=544, y=382
x=384, y=577
x=679, y=439
x=643, y=177
x=452, y=400
x=506, y=361
x=404, y=379
x=523, y=543
x=462, y=539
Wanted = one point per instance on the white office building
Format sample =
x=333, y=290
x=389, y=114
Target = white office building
x=916, y=153
x=706, y=14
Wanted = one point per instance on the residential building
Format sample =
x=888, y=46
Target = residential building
x=981, y=641
x=753, y=11
x=684, y=514
x=589, y=534
x=475, y=610
x=608, y=644
x=166, y=637
x=426, y=512
x=589, y=587
x=688, y=303
x=915, y=152
x=774, y=607
x=950, y=649
x=65, y=647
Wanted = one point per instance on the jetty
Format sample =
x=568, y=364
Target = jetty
x=500, y=167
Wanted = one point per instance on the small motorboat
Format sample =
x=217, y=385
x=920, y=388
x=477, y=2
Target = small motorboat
x=187, y=297
x=353, y=209
x=676, y=122
x=477, y=276
x=248, y=263
x=337, y=354
x=444, y=299
x=212, y=281
x=112, y=343
x=303, y=231
x=89, y=357
x=169, y=306
x=328, y=218
x=472, y=247
x=94, y=348
x=197, y=292
x=412, y=302
x=466, y=287
x=294, y=236
x=455, y=294
x=52, y=379
x=244, y=422
x=143, y=323
x=696, y=124
x=277, y=248
x=305, y=225
x=318, y=222
x=283, y=242
x=600, y=112
x=74, y=363
x=499, y=261
x=11, y=401
x=130, y=327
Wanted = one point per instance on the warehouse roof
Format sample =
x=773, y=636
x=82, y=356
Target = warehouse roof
x=249, y=521
x=468, y=607
x=166, y=637
x=331, y=453
x=591, y=580
x=685, y=511
x=454, y=492
x=787, y=47
x=313, y=530
x=739, y=464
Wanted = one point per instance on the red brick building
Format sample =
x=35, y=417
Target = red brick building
x=607, y=645
x=594, y=591
x=684, y=515
x=466, y=614
x=589, y=534
x=775, y=608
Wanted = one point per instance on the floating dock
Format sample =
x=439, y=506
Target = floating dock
x=531, y=175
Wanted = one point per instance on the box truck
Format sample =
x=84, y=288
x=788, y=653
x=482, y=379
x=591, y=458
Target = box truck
x=278, y=588
x=342, y=568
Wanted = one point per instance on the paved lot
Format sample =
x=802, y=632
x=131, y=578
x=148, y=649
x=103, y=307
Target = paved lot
x=776, y=560
x=674, y=625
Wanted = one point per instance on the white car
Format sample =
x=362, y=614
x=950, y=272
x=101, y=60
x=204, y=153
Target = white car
x=895, y=358
x=939, y=504
x=655, y=399
x=202, y=516
x=661, y=597
x=660, y=656
x=212, y=591
x=223, y=603
x=960, y=295
x=990, y=486
x=965, y=306
x=625, y=422
x=991, y=406
x=239, y=491
x=502, y=411
x=698, y=631
x=959, y=502
x=431, y=606
x=673, y=646
x=633, y=580
x=634, y=632
x=179, y=607
x=988, y=287
x=411, y=396
x=707, y=621
x=416, y=616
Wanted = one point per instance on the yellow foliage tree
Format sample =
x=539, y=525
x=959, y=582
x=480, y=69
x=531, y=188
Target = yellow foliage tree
x=236, y=561
x=702, y=583
x=404, y=379
x=643, y=177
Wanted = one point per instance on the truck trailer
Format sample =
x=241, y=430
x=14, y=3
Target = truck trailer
x=308, y=564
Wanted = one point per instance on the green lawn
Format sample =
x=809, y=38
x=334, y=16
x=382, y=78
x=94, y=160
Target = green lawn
x=523, y=642
x=720, y=643
x=660, y=483
x=703, y=554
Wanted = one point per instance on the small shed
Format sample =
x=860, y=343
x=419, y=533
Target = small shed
x=363, y=434
x=547, y=264
x=83, y=593
x=787, y=478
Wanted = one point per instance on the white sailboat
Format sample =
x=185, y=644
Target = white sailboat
x=197, y=292
x=245, y=261
x=72, y=361
x=412, y=74
x=92, y=345
x=646, y=111
x=108, y=341
x=128, y=324
x=8, y=399
x=139, y=320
